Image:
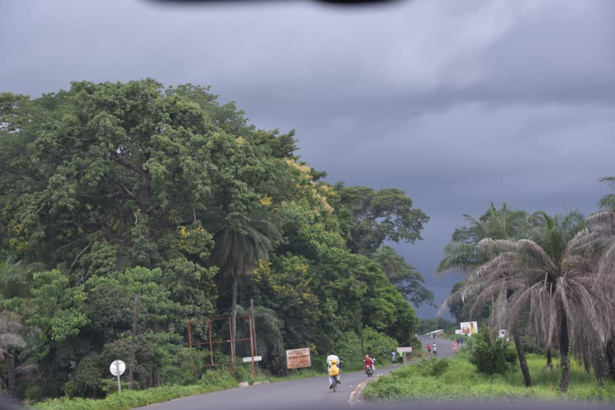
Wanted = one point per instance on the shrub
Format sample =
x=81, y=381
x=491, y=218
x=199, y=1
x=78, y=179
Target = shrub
x=432, y=367
x=491, y=355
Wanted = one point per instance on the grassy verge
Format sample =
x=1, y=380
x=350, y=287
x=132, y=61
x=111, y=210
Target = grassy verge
x=456, y=378
x=217, y=380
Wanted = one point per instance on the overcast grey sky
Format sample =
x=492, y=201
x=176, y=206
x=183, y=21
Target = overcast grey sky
x=458, y=103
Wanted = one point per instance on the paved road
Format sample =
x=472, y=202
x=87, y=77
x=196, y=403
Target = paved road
x=445, y=346
x=310, y=393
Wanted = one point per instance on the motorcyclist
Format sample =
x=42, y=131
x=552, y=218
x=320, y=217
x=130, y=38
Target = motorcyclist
x=368, y=364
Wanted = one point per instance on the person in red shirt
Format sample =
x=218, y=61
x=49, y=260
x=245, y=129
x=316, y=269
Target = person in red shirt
x=369, y=363
x=428, y=348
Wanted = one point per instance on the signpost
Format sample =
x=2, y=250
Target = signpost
x=298, y=358
x=404, y=350
x=249, y=359
x=118, y=368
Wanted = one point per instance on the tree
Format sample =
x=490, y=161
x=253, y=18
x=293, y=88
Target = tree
x=608, y=201
x=378, y=216
x=11, y=341
x=238, y=252
x=463, y=254
x=556, y=281
x=403, y=276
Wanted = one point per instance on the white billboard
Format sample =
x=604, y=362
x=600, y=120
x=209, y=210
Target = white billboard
x=469, y=328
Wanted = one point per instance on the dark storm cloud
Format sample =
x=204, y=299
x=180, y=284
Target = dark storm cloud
x=455, y=103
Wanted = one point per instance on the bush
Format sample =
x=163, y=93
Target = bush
x=376, y=344
x=432, y=367
x=87, y=381
x=491, y=355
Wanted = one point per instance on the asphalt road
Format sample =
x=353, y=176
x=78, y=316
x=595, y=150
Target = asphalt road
x=312, y=393
x=445, y=346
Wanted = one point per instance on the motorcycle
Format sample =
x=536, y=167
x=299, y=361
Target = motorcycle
x=369, y=371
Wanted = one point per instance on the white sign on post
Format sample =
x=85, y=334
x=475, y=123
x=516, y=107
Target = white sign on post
x=118, y=368
x=249, y=359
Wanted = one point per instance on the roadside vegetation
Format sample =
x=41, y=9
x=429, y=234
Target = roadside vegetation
x=457, y=379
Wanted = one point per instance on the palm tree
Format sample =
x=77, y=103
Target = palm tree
x=238, y=250
x=15, y=277
x=557, y=281
x=10, y=342
x=608, y=201
x=464, y=255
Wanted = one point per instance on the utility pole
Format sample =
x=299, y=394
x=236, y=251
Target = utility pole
x=253, y=324
x=132, y=343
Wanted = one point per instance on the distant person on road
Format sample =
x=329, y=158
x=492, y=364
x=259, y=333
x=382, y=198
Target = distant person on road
x=393, y=353
x=428, y=348
x=333, y=359
x=434, y=348
x=368, y=363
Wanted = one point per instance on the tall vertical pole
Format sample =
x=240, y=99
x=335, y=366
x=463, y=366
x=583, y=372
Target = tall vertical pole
x=119, y=384
x=230, y=331
x=132, y=343
x=253, y=325
x=252, y=351
x=189, y=335
x=211, y=343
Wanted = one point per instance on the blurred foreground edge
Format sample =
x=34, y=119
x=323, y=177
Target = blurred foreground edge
x=337, y=2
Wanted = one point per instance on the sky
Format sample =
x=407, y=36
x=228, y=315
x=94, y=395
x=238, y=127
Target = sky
x=456, y=103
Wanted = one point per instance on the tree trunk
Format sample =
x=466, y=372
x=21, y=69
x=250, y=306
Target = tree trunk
x=564, y=350
x=11, y=378
x=234, y=316
x=549, y=358
x=522, y=361
x=132, y=343
x=610, y=356
x=601, y=367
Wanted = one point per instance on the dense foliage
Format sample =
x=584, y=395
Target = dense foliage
x=135, y=203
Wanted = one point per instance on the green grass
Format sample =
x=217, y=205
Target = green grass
x=461, y=381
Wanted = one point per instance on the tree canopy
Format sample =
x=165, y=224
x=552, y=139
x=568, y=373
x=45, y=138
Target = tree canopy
x=115, y=191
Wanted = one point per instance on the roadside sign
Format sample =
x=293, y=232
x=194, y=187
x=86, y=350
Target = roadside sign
x=249, y=359
x=455, y=346
x=297, y=358
x=117, y=368
x=404, y=349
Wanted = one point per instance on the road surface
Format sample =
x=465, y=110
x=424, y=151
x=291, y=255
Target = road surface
x=445, y=346
x=312, y=393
